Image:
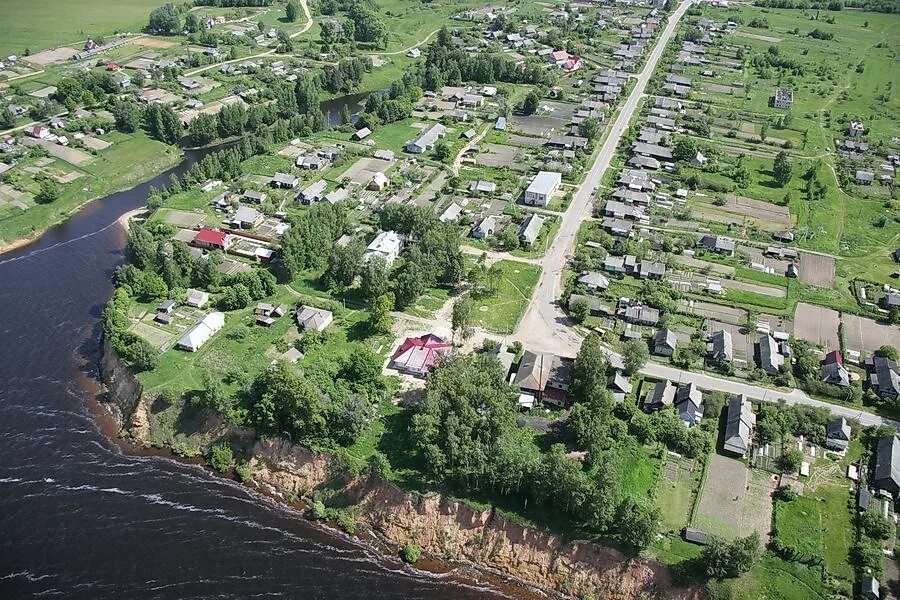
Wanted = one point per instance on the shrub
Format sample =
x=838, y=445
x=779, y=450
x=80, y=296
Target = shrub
x=220, y=457
x=244, y=472
x=411, y=553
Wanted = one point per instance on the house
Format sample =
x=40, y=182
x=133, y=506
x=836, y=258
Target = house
x=500, y=124
x=166, y=307
x=362, y=134
x=253, y=196
x=650, y=269
x=267, y=314
x=38, y=132
x=313, y=192
x=310, y=318
x=593, y=280
x=483, y=187
x=387, y=244
x=664, y=342
x=739, y=425
x=720, y=347
x=200, y=333
x=542, y=188
x=420, y=355
x=640, y=314
x=695, y=536
x=122, y=80
x=196, y=298
x=471, y=101
x=661, y=396
x=530, y=230
x=869, y=588
x=485, y=228
x=784, y=98
x=856, y=129
x=619, y=228
x=595, y=304
x=833, y=370
x=717, y=244
x=619, y=385
x=310, y=163
x=378, y=182
x=451, y=213
x=387, y=155
x=770, y=358
x=886, y=475
x=426, y=140
x=284, y=180
x=247, y=217
x=413, y=53
x=545, y=376
x=884, y=377
x=837, y=434
x=337, y=195
x=864, y=177
x=211, y=239
x=689, y=404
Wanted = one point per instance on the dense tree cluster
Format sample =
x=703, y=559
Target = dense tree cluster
x=309, y=241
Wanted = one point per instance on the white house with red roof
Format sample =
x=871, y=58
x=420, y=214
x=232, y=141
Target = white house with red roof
x=211, y=239
x=419, y=355
x=38, y=132
x=565, y=61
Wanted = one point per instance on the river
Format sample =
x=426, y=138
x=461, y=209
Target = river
x=81, y=519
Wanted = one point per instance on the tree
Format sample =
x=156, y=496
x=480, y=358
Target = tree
x=875, y=526
x=192, y=22
x=220, y=457
x=374, y=278
x=722, y=559
x=362, y=370
x=590, y=127
x=140, y=247
x=380, y=320
x=410, y=283
x=887, y=351
x=589, y=369
x=285, y=42
x=49, y=191
x=635, y=355
x=442, y=151
x=637, y=524
x=531, y=103
x=165, y=19
x=141, y=355
x=127, y=115
x=790, y=461
x=781, y=168
x=344, y=265
x=580, y=309
x=292, y=11
x=203, y=129
x=461, y=319
x=411, y=553
x=235, y=297
x=685, y=149
x=281, y=401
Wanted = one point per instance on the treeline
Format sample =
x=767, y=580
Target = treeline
x=465, y=435
x=233, y=3
x=345, y=76
x=883, y=6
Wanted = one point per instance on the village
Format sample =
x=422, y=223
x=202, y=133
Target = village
x=656, y=183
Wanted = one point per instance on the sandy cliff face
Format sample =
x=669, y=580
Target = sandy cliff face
x=453, y=531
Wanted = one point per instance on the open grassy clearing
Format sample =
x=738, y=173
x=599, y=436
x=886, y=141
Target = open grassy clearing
x=37, y=25
x=500, y=312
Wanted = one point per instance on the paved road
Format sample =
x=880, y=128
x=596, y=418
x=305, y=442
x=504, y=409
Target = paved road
x=546, y=328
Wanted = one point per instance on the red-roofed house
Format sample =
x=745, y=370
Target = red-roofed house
x=211, y=239
x=112, y=66
x=565, y=61
x=419, y=355
x=833, y=357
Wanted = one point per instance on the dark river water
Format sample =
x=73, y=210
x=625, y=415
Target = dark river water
x=81, y=519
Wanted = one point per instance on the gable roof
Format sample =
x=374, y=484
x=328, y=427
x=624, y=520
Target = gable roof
x=739, y=425
x=887, y=463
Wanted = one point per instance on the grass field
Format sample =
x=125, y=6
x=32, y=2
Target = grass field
x=500, y=312
x=41, y=24
x=675, y=493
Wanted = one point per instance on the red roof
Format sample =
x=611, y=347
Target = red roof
x=211, y=236
x=834, y=357
x=420, y=354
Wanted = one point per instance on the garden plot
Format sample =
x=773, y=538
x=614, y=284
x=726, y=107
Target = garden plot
x=675, y=492
x=362, y=171
x=866, y=335
x=741, y=339
x=726, y=314
x=696, y=263
x=44, y=92
x=755, y=288
x=48, y=57
x=758, y=210
x=817, y=269
x=95, y=143
x=817, y=325
x=183, y=218
x=757, y=36
x=523, y=140
x=723, y=497
x=497, y=155
x=70, y=155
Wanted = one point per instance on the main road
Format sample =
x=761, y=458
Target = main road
x=546, y=328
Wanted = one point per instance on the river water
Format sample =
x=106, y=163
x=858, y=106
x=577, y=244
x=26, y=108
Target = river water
x=81, y=519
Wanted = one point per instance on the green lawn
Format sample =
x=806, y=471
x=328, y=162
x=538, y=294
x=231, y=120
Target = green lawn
x=675, y=498
x=798, y=524
x=640, y=472
x=500, y=312
x=42, y=24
